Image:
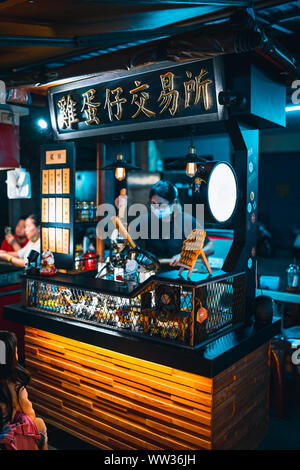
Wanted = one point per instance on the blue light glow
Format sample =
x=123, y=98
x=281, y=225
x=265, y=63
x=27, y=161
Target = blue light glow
x=42, y=123
x=292, y=108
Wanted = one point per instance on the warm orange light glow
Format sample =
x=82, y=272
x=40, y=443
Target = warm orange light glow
x=191, y=169
x=120, y=174
x=75, y=385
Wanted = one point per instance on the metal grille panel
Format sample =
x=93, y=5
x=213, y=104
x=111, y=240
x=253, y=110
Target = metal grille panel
x=183, y=315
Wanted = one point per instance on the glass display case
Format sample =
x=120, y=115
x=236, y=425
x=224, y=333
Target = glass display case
x=182, y=312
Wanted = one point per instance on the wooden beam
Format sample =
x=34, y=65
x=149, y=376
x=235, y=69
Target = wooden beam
x=100, y=194
x=11, y=3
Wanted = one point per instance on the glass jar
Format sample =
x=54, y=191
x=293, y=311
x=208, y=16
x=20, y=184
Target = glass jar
x=292, y=277
x=84, y=211
x=91, y=211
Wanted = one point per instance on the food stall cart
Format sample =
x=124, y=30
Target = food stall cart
x=136, y=365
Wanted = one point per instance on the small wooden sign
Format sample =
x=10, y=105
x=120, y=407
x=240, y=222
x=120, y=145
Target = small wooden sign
x=52, y=213
x=66, y=210
x=56, y=157
x=45, y=210
x=51, y=181
x=45, y=182
x=52, y=239
x=59, y=210
x=45, y=239
x=66, y=180
x=66, y=236
x=58, y=180
x=59, y=240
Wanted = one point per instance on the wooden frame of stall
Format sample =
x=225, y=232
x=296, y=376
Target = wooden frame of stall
x=118, y=393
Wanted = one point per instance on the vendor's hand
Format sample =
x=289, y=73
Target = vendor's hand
x=9, y=238
x=3, y=255
x=174, y=261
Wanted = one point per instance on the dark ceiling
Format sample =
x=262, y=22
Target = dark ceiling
x=42, y=40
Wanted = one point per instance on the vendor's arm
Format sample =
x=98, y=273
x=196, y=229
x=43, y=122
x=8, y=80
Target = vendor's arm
x=25, y=404
x=9, y=253
x=174, y=260
x=12, y=257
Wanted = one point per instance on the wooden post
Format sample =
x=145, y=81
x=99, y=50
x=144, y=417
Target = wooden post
x=100, y=193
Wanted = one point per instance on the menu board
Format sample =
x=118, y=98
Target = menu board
x=57, y=201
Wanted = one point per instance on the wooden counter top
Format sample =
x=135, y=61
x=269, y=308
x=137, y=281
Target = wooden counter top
x=208, y=360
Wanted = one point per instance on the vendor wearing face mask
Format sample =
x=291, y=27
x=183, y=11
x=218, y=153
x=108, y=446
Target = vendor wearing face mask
x=169, y=221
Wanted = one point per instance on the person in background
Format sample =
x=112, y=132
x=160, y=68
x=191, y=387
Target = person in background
x=18, y=240
x=32, y=232
x=14, y=402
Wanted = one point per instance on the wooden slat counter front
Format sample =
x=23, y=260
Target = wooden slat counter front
x=137, y=394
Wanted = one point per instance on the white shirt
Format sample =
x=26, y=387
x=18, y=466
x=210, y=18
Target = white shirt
x=24, y=252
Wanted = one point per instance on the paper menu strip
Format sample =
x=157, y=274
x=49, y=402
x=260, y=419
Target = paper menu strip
x=66, y=180
x=66, y=233
x=45, y=182
x=59, y=210
x=51, y=181
x=58, y=181
x=52, y=213
x=59, y=240
x=52, y=239
x=45, y=239
x=45, y=210
x=66, y=210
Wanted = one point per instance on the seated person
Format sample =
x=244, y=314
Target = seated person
x=18, y=240
x=32, y=232
x=14, y=400
x=171, y=223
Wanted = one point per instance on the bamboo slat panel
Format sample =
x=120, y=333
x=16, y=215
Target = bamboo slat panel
x=125, y=402
x=114, y=401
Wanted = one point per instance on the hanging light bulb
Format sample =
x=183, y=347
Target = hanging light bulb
x=120, y=167
x=191, y=167
x=120, y=172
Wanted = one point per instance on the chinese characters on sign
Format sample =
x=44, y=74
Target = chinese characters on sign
x=110, y=103
x=200, y=87
x=67, y=114
x=169, y=94
x=140, y=101
x=90, y=108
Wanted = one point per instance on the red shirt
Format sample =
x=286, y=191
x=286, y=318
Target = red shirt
x=7, y=247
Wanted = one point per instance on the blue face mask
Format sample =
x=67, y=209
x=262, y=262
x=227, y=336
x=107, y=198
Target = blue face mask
x=162, y=212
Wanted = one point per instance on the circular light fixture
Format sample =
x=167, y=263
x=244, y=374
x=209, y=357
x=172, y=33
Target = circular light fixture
x=216, y=185
x=222, y=192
